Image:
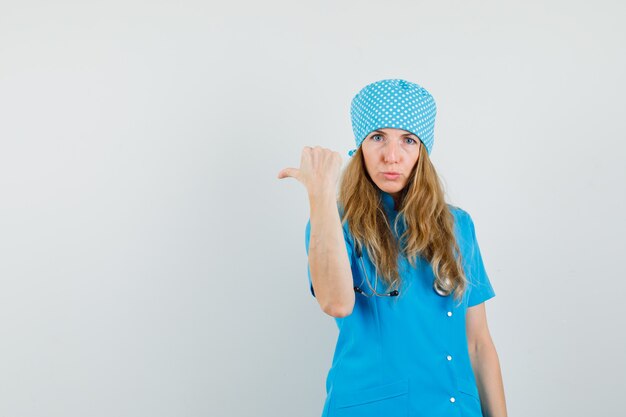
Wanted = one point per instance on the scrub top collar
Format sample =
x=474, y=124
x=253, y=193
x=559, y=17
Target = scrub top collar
x=388, y=202
x=392, y=214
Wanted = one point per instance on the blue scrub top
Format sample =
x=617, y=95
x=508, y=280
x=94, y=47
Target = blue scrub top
x=406, y=355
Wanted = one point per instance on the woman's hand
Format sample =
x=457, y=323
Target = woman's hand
x=327, y=250
x=319, y=170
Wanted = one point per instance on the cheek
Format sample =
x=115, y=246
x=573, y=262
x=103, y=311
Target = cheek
x=410, y=163
x=370, y=164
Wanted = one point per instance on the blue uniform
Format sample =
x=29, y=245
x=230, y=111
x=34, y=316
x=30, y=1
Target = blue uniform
x=406, y=355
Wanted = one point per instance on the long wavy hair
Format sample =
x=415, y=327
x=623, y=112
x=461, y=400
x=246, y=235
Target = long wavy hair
x=429, y=224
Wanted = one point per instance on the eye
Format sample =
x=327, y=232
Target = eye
x=414, y=141
x=374, y=137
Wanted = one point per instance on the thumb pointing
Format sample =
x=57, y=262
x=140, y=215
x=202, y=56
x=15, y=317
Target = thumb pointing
x=288, y=172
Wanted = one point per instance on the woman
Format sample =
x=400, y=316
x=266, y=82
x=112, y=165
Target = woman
x=399, y=269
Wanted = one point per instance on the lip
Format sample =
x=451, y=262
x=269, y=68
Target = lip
x=391, y=175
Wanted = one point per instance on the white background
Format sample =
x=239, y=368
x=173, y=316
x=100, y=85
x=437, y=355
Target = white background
x=152, y=264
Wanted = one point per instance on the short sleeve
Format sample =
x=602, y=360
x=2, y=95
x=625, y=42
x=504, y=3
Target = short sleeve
x=480, y=286
x=307, y=238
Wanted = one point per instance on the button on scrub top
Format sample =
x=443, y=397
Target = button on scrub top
x=406, y=355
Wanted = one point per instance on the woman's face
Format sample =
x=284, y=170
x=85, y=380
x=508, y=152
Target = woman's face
x=390, y=150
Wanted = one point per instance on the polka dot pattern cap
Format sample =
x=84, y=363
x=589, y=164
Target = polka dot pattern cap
x=397, y=104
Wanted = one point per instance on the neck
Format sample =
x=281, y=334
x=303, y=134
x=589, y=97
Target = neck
x=397, y=199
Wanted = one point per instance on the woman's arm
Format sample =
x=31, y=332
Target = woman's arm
x=329, y=265
x=485, y=363
x=331, y=274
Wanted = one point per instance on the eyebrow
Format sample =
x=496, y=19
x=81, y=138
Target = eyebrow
x=383, y=133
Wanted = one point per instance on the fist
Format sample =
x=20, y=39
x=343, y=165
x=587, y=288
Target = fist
x=319, y=169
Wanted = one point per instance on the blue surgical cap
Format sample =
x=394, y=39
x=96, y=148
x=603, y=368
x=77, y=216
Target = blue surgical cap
x=393, y=103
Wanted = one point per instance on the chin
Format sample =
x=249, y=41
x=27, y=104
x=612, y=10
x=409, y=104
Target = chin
x=390, y=188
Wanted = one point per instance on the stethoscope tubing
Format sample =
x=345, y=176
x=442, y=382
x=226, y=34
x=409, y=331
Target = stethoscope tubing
x=394, y=293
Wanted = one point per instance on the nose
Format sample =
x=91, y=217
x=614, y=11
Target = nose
x=391, y=151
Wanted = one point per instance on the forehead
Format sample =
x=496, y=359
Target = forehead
x=391, y=131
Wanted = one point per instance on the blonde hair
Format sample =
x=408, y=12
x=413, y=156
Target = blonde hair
x=429, y=224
